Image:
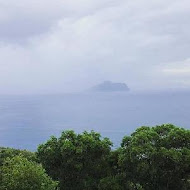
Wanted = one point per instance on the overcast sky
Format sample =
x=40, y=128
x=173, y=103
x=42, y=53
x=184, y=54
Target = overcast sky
x=51, y=46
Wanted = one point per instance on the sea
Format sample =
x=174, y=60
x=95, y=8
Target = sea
x=29, y=120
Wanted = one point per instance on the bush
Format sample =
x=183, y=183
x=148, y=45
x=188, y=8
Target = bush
x=10, y=153
x=18, y=173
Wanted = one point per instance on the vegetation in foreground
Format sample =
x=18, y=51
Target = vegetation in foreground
x=151, y=158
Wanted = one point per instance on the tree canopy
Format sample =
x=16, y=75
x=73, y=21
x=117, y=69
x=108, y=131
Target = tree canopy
x=157, y=157
x=11, y=152
x=18, y=173
x=77, y=161
x=151, y=158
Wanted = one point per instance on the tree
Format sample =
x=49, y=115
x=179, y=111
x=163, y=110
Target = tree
x=18, y=173
x=77, y=161
x=111, y=183
x=157, y=158
x=10, y=153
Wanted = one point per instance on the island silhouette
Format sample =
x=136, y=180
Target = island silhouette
x=109, y=86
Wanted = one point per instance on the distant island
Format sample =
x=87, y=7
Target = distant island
x=108, y=86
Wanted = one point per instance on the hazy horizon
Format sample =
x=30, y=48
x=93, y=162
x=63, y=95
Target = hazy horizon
x=26, y=121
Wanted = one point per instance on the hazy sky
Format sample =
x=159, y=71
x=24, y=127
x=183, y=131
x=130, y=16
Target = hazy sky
x=68, y=45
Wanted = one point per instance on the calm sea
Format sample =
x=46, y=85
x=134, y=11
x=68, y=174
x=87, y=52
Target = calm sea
x=26, y=121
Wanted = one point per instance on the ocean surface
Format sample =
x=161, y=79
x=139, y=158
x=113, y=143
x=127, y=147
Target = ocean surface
x=29, y=120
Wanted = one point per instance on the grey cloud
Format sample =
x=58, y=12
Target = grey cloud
x=76, y=44
x=21, y=20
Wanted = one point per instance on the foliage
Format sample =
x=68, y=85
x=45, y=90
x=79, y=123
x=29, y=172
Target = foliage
x=18, y=173
x=111, y=183
x=151, y=158
x=77, y=161
x=10, y=153
x=157, y=158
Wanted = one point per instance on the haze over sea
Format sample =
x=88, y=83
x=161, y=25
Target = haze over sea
x=28, y=120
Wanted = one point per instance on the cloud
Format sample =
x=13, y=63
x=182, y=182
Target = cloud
x=179, y=71
x=180, y=68
x=56, y=46
x=22, y=19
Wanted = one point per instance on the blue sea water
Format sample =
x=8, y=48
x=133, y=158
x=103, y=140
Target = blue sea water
x=29, y=120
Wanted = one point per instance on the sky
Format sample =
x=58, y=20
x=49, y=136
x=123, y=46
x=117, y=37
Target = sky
x=57, y=46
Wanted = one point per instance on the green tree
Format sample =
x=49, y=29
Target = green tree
x=18, y=173
x=77, y=161
x=11, y=152
x=157, y=157
x=111, y=183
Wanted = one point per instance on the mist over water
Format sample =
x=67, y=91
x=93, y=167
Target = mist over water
x=26, y=121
